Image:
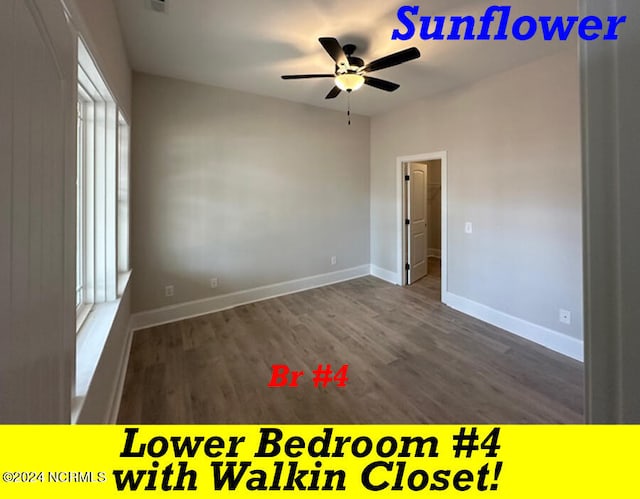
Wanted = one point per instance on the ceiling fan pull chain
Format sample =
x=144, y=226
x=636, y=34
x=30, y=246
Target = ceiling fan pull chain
x=349, y=108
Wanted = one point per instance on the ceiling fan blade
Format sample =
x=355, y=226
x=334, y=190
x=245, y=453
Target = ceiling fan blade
x=335, y=91
x=334, y=49
x=389, y=86
x=306, y=77
x=392, y=60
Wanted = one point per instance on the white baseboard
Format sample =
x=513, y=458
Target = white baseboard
x=116, y=396
x=223, y=302
x=558, y=342
x=385, y=275
x=549, y=338
x=435, y=253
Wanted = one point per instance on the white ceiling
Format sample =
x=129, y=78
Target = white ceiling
x=247, y=44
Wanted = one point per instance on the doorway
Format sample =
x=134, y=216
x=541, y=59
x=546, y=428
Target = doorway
x=422, y=234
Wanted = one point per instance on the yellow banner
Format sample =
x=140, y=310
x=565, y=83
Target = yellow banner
x=320, y=461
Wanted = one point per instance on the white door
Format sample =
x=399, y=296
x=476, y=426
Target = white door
x=417, y=212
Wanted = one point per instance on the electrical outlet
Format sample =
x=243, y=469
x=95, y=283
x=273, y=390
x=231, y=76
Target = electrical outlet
x=213, y=282
x=334, y=260
x=565, y=316
x=468, y=228
x=168, y=291
x=156, y=5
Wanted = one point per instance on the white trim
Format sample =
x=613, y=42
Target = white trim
x=554, y=340
x=82, y=312
x=99, y=168
x=434, y=253
x=385, y=275
x=83, y=33
x=610, y=148
x=111, y=192
x=123, y=196
x=90, y=343
x=223, y=302
x=400, y=215
x=116, y=396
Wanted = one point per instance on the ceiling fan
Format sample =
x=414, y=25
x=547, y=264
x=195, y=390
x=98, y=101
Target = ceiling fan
x=351, y=73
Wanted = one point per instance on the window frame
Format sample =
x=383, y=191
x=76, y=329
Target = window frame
x=102, y=192
x=123, y=198
x=83, y=308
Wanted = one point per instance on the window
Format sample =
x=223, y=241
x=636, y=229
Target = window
x=102, y=204
x=80, y=204
x=82, y=306
x=123, y=194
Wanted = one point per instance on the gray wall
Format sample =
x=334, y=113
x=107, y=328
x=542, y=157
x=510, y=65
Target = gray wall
x=513, y=143
x=611, y=107
x=434, y=200
x=37, y=230
x=37, y=227
x=248, y=189
x=98, y=24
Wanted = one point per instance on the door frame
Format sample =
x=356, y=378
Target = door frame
x=401, y=215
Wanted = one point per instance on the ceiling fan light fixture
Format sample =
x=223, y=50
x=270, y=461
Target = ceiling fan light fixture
x=349, y=82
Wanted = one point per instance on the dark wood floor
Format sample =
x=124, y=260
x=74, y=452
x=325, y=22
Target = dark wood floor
x=411, y=360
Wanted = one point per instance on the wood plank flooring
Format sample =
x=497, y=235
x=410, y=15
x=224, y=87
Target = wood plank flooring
x=411, y=360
